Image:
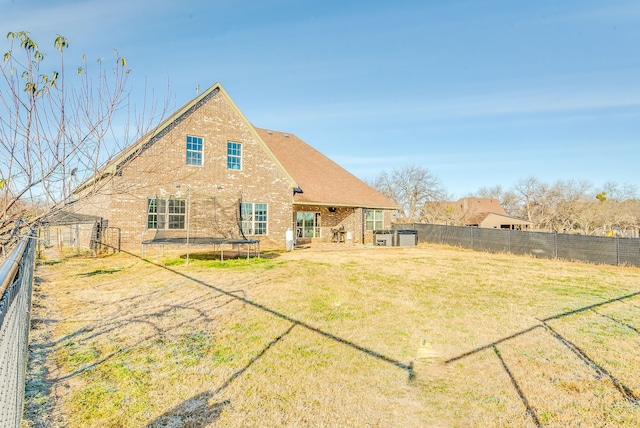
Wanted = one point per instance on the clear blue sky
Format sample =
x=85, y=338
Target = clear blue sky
x=480, y=92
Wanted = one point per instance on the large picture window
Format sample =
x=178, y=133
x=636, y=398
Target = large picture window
x=234, y=155
x=194, y=150
x=165, y=213
x=253, y=218
x=374, y=220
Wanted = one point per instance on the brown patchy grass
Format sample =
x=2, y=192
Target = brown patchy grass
x=336, y=336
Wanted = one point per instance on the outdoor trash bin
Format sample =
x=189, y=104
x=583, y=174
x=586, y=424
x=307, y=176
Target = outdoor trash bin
x=383, y=238
x=406, y=238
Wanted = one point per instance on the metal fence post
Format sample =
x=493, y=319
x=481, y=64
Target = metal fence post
x=471, y=230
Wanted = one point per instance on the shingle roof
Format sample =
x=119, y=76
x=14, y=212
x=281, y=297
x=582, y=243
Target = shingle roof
x=479, y=219
x=473, y=206
x=61, y=218
x=322, y=181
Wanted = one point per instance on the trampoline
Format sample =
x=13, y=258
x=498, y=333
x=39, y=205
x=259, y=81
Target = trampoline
x=194, y=219
x=251, y=245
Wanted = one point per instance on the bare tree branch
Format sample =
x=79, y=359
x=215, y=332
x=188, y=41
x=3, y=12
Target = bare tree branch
x=56, y=129
x=411, y=187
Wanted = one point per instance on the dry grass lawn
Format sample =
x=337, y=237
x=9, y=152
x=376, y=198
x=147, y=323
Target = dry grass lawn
x=333, y=336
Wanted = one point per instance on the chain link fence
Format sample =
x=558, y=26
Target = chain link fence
x=590, y=249
x=16, y=279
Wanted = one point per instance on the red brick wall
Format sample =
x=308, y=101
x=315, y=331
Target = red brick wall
x=161, y=171
x=350, y=219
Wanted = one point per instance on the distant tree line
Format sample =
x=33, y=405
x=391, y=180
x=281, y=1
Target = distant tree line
x=566, y=206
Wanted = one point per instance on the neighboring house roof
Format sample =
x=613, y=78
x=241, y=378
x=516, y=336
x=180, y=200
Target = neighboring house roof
x=494, y=220
x=477, y=219
x=323, y=182
x=61, y=218
x=472, y=206
x=483, y=212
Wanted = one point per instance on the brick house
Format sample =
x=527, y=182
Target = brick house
x=207, y=171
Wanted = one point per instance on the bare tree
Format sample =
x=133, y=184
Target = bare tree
x=508, y=198
x=509, y=201
x=411, y=187
x=571, y=207
x=56, y=129
x=530, y=194
x=616, y=192
x=494, y=192
x=620, y=208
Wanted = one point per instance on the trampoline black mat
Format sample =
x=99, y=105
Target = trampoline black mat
x=199, y=241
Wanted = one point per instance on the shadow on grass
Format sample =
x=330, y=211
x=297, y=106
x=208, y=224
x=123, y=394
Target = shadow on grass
x=624, y=324
x=530, y=411
x=118, y=324
x=624, y=390
x=49, y=262
x=527, y=330
x=100, y=272
x=196, y=411
x=601, y=372
x=407, y=367
x=201, y=401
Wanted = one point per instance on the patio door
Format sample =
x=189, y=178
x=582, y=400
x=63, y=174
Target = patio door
x=308, y=224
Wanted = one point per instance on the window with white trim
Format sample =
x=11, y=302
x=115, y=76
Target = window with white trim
x=166, y=213
x=234, y=155
x=194, y=150
x=374, y=220
x=253, y=218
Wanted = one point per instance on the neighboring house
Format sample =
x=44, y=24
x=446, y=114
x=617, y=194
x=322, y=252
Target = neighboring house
x=207, y=172
x=479, y=212
x=488, y=213
x=498, y=221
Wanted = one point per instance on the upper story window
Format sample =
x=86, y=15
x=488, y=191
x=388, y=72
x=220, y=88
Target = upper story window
x=234, y=155
x=374, y=220
x=194, y=150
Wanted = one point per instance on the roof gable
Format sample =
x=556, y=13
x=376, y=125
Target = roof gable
x=322, y=181
x=170, y=123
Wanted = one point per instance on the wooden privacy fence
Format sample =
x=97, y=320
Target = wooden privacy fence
x=590, y=249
